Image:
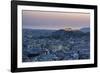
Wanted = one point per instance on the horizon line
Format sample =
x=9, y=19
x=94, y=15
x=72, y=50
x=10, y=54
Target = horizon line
x=54, y=29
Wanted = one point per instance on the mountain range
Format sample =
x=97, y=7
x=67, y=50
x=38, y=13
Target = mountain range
x=85, y=29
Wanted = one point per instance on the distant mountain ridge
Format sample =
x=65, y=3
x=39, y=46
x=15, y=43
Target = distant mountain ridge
x=61, y=33
x=85, y=30
x=37, y=32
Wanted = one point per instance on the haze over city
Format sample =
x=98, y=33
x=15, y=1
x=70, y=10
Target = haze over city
x=54, y=20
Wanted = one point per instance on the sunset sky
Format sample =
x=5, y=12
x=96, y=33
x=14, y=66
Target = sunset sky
x=54, y=20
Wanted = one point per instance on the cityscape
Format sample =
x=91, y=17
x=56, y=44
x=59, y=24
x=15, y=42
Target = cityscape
x=54, y=43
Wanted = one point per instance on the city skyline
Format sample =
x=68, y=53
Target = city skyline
x=54, y=20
